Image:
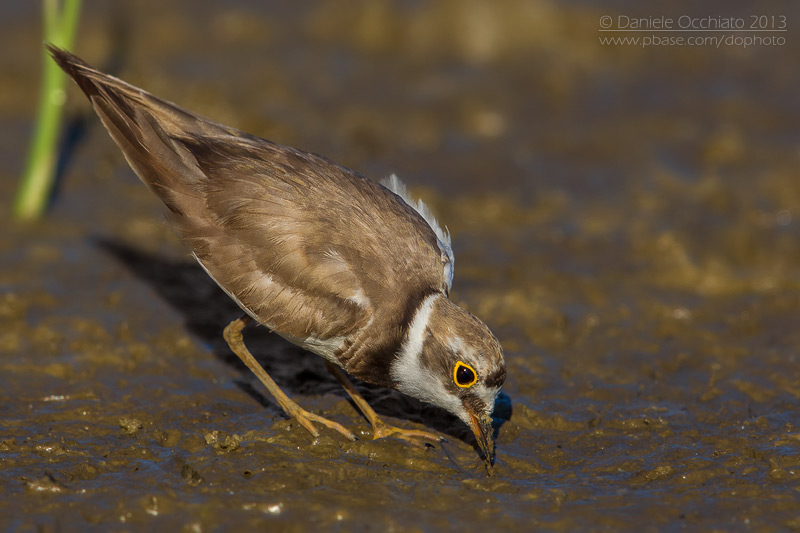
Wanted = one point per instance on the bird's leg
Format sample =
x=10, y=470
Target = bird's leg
x=380, y=428
x=233, y=336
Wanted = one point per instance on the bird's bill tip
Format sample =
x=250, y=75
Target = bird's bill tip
x=482, y=428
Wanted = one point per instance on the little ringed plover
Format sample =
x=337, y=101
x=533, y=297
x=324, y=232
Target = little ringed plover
x=352, y=270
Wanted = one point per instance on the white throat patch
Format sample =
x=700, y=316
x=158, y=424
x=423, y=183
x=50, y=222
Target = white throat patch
x=412, y=344
x=411, y=376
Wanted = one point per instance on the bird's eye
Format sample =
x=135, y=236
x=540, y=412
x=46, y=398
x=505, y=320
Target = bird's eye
x=464, y=375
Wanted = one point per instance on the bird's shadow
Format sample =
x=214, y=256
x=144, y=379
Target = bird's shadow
x=206, y=310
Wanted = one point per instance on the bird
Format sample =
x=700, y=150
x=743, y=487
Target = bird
x=355, y=271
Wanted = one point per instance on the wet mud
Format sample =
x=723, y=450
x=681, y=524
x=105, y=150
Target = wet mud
x=624, y=219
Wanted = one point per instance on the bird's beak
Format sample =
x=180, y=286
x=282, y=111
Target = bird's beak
x=482, y=428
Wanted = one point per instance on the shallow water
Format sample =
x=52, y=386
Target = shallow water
x=624, y=219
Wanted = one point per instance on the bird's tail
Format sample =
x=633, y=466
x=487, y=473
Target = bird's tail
x=151, y=133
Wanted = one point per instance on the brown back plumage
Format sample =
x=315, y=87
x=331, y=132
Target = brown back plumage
x=304, y=245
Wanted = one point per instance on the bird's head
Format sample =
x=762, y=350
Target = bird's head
x=450, y=358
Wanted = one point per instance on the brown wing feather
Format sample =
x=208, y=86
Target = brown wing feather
x=303, y=244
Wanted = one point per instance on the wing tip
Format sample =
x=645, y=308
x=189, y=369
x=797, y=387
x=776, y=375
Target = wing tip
x=75, y=67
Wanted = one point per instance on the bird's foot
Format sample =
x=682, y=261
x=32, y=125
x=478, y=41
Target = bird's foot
x=307, y=420
x=381, y=429
x=414, y=436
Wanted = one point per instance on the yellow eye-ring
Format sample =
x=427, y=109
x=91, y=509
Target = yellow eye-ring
x=464, y=375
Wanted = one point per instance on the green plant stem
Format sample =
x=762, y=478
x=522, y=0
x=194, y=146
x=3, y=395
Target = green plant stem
x=37, y=179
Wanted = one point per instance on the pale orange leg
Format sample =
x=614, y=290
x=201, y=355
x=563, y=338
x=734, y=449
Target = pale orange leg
x=380, y=429
x=233, y=336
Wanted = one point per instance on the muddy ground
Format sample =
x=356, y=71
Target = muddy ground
x=625, y=219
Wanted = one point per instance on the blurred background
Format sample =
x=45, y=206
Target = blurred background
x=624, y=217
